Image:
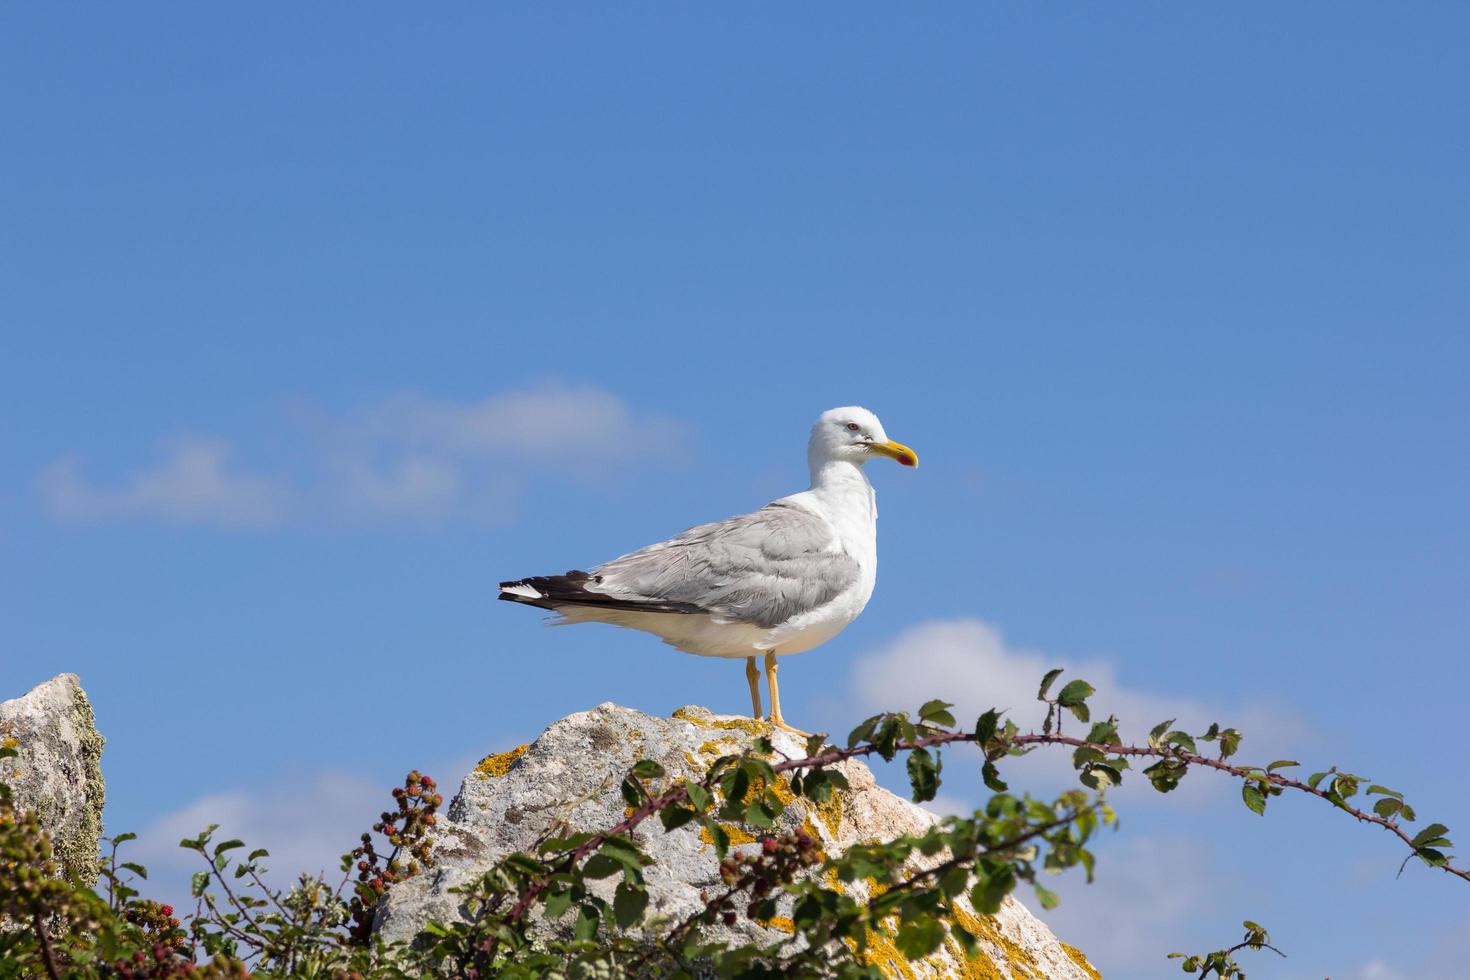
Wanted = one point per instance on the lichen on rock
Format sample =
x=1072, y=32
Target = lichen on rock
x=58, y=772
x=571, y=775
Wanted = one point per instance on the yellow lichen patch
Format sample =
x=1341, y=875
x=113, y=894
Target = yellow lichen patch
x=1076, y=956
x=751, y=726
x=10, y=743
x=882, y=953
x=973, y=966
x=498, y=765
x=779, y=922
x=717, y=748
x=834, y=881
x=1019, y=961
x=737, y=835
x=830, y=813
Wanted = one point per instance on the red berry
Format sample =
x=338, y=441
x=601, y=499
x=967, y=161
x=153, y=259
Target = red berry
x=769, y=845
x=166, y=909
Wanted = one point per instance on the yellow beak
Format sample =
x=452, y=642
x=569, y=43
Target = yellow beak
x=895, y=450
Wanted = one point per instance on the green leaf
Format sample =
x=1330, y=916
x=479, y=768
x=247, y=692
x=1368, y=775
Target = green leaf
x=991, y=775
x=718, y=836
x=625, y=851
x=991, y=890
x=757, y=815
x=1166, y=774
x=1429, y=833
x=557, y=903
x=258, y=853
x=1081, y=711
x=1047, y=897
x=864, y=731
x=1085, y=754
x=985, y=727
x=674, y=817
x=814, y=743
x=136, y=869
x=936, y=712
x=1282, y=764
x=1253, y=797
x=633, y=792
x=698, y=795
x=1155, y=736
x=198, y=883
x=586, y=926
x=601, y=866
x=628, y=904
x=1384, y=791
x=1387, y=807
x=923, y=774
x=124, y=838
x=1075, y=693
x=1180, y=739
x=1100, y=775
x=1046, y=682
x=919, y=937
x=197, y=843
x=647, y=769
x=886, y=738
x=228, y=845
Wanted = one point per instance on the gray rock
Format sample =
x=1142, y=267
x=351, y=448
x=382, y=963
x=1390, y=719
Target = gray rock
x=572, y=774
x=58, y=772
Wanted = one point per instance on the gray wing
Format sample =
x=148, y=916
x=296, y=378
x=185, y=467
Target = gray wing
x=762, y=568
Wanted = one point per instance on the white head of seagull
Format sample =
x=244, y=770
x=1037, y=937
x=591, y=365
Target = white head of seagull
x=852, y=435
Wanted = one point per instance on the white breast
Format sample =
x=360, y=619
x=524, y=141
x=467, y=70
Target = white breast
x=850, y=508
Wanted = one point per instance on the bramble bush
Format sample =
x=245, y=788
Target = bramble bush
x=242, y=926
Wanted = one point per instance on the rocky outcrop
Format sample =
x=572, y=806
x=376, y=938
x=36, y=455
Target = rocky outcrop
x=572, y=774
x=59, y=770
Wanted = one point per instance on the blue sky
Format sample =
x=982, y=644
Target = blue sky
x=317, y=323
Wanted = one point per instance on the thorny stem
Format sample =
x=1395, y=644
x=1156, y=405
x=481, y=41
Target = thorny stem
x=679, y=794
x=48, y=956
x=219, y=876
x=1252, y=773
x=957, y=862
x=1240, y=946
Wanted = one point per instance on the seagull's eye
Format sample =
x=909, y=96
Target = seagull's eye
x=852, y=427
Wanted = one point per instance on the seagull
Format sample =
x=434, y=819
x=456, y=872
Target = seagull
x=780, y=580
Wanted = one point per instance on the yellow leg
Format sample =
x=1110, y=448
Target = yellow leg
x=753, y=677
x=776, y=718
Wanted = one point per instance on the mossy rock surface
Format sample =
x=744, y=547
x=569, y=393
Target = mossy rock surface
x=571, y=775
x=59, y=770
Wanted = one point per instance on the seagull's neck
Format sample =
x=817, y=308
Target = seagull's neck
x=843, y=486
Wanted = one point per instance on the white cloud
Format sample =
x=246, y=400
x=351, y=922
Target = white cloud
x=193, y=485
x=417, y=457
x=1444, y=960
x=305, y=823
x=572, y=425
x=409, y=458
x=969, y=662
